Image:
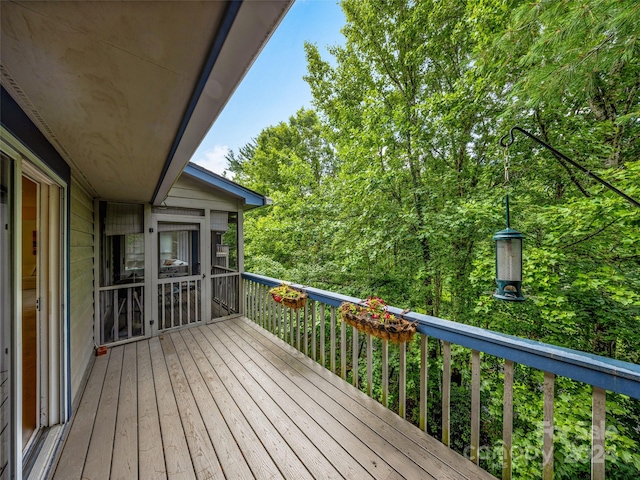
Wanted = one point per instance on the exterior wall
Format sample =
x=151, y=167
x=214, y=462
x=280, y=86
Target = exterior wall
x=193, y=194
x=82, y=284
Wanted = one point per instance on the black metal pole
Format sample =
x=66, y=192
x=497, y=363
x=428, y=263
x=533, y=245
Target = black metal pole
x=564, y=157
x=506, y=201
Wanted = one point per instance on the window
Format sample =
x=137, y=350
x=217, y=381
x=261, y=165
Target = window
x=178, y=249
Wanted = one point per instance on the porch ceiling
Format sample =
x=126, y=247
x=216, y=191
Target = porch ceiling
x=122, y=89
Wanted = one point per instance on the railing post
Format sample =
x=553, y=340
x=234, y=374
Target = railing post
x=424, y=377
x=475, y=405
x=598, y=412
x=548, y=426
x=446, y=392
x=507, y=421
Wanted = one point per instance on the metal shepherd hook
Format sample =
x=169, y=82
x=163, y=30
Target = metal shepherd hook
x=567, y=159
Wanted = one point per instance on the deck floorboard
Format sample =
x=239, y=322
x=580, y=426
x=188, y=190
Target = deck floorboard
x=230, y=400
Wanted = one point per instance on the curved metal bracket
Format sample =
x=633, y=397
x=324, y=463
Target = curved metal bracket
x=567, y=159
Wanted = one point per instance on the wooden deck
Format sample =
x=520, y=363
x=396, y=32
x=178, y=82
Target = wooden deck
x=230, y=400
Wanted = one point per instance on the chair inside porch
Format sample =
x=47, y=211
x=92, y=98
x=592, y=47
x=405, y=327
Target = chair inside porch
x=230, y=400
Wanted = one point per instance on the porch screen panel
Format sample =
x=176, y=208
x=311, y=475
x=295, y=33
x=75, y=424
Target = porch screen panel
x=122, y=253
x=123, y=219
x=225, y=278
x=179, y=283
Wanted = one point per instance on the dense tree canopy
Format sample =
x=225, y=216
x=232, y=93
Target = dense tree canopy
x=395, y=184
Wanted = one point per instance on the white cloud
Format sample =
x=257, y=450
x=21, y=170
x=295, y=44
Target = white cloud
x=214, y=159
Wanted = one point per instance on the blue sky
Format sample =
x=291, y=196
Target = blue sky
x=273, y=89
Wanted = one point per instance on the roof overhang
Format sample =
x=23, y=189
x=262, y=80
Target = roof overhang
x=126, y=91
x=249, y=198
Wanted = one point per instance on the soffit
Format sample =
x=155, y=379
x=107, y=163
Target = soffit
x=108, y=83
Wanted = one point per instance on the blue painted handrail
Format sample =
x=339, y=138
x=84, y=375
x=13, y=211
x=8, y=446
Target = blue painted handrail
x=603, y=372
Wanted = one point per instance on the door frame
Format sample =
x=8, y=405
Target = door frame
x=152, y=322
x=25, y=162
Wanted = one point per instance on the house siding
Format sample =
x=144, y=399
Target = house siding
x=191, y=193
x=82, y=284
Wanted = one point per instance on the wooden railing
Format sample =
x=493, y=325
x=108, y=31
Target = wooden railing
x=305, y=329
x=121, y=312
x=179, y=301
x=225, y=291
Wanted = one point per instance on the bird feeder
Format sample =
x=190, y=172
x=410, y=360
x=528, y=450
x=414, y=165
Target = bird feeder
x=508, y=263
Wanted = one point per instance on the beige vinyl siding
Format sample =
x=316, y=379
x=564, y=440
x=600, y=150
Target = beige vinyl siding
x=190, y=193
x=82, y=283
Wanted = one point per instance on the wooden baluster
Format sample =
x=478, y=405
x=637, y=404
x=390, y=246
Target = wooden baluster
x=162, y=300
x=129, y=313
x=424, y=371
x=259, y=318
x=323, y=355
x=285, y=324
x=385, y=372
x=402, y=381
x=180, y=303
x=245, y=299
x=264, y=298
x=332, y=341
x=343, y=350
x=475, y=406
x=265, y=307
x=254, y=298
x=314, y=353
x=369, y=365
x=354, y=357
x=507, y=421
x=270, y=314
x=254, y=306
x=188, y=291
x=116, y=315
x=267, y=310
x=547, y=448
x=598, y=413
x=304, y=326
x=298, y=329
x=248, y=300
x=291, y=327
x=446, y=392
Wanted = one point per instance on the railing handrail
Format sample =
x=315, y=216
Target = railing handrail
x=610, y=374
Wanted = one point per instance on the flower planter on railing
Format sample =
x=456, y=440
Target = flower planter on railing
x=373, y=317
x=289, y=296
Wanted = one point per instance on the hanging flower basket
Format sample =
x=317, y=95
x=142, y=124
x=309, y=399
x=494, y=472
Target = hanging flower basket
x=373, y=317
x=289, y=296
